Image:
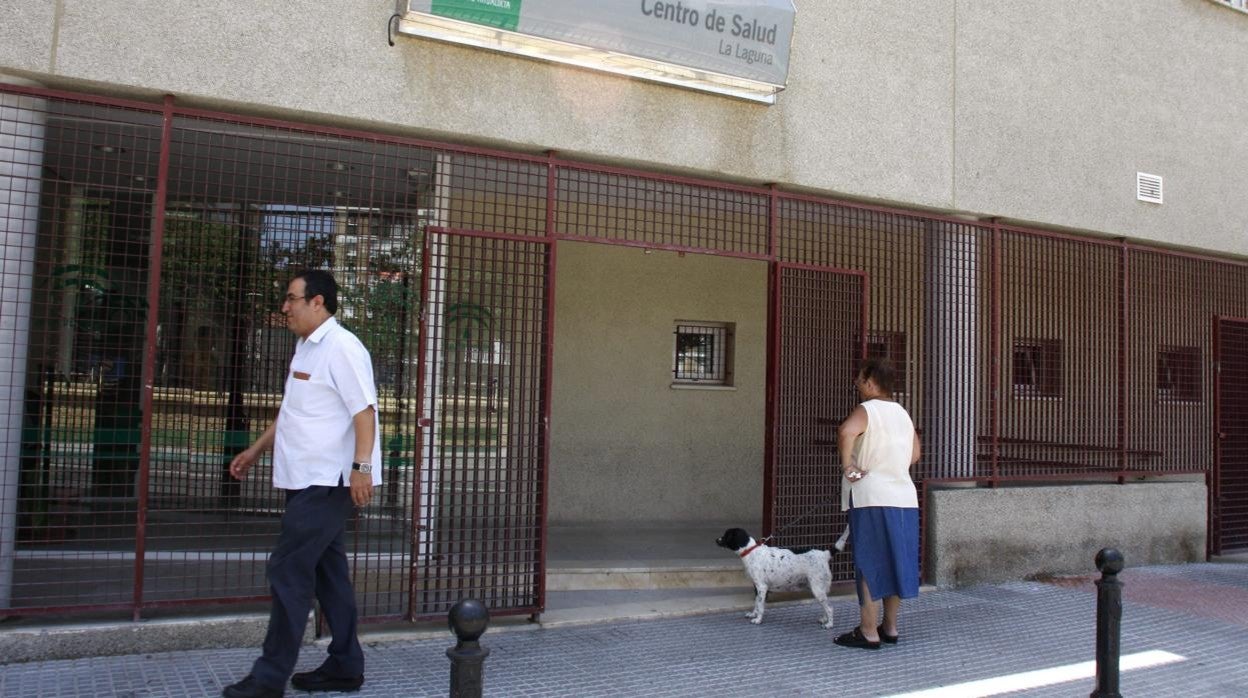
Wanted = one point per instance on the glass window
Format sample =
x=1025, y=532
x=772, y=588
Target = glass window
x=1037, y=368
x=1178, y=374
x=703, y=353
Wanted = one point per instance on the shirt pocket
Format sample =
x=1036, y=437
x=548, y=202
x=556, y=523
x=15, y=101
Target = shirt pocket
x=299, y=391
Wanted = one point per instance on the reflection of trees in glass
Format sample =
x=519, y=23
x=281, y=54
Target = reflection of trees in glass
x=94, y=301
x=199, y=283
x=197, y=260
x=379, y=287
x=282, y=258
x=382, y=323
x=311, y=252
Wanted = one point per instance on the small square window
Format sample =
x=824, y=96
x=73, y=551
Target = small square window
x=703, y=353
x=1037, y=368
x=1178, y=374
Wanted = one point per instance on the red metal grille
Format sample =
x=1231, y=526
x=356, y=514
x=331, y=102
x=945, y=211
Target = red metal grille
x=500, y=195
x=1170, y=308
x=484, y=392
x=819, y=336
x=247, y=207
x=1059, y=357
x=150, y=244
x=928, y=311
x=83, y=238
x=662, y=213
x=124, y=497
x=1230, y=515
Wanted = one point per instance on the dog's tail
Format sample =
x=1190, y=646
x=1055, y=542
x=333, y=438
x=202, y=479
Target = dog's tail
x=840, y=542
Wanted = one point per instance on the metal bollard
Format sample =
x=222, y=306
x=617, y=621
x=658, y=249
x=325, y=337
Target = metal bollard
x=1108, y=623
x=468, y=620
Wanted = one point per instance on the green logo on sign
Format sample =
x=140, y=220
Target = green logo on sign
x=503, y=14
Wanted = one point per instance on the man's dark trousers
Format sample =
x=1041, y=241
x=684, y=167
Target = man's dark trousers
x=311, y=559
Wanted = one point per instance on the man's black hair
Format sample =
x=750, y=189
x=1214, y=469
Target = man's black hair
x=319, y=282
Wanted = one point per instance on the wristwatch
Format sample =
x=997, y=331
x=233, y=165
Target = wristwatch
x=365, y=468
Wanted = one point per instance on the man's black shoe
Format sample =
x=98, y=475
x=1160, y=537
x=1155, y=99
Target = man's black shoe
x=249, y=687
x=319, y=680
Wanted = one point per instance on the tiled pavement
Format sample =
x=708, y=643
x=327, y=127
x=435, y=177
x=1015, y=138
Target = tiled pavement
x=948, y=637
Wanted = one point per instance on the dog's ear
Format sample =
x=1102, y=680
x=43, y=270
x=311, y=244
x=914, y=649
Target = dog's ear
x=736, y=538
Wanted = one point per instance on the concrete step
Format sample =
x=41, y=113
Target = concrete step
x=625, y=575
x=565, y=608
x=37, y=639
x=568, y=608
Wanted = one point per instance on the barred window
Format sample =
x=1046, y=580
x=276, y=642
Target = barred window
x=1037, y=370
x=1178, y=374
x=703, y=352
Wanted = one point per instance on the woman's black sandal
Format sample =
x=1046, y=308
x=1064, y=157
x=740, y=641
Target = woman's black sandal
x=854, y=638
x=885, y=637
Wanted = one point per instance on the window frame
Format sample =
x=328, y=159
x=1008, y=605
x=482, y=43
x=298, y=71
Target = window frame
x=721, y=373
x=1177, y=392
x=1045, y=366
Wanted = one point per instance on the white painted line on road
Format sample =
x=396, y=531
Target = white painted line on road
x=1042, y=677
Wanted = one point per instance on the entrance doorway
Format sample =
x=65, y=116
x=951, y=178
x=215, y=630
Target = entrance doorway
x=1229, y=494
x=658, y=396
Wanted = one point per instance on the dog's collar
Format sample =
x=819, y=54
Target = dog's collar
x=750, y=549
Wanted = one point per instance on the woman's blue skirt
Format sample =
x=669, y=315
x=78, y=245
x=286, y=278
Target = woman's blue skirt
x=885, y=544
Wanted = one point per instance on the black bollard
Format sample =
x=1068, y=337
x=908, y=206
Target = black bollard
x=1108, y=623
x=468, y=620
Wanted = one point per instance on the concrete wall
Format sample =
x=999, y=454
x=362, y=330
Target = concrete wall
x=626, y=446
x=989, y=535
x=1037, y=112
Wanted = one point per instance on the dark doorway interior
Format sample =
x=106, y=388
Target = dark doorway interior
x=1230, y=492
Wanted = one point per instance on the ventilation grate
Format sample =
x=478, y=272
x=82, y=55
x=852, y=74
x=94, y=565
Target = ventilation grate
x=1148, y=187
x=1241, y=5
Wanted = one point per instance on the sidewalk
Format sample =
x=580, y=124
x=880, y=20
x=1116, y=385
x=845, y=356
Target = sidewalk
x=1198, y=612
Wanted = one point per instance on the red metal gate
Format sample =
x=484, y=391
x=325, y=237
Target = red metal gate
x=484, y=394
x=819, y=328
x=1229, y=495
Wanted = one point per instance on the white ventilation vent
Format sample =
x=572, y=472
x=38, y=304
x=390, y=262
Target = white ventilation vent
x=1241, y=5
x=1148, y=187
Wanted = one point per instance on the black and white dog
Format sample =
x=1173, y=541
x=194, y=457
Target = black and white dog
x=781, y=569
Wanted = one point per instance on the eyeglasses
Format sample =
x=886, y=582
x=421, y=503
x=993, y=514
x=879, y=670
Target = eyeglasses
x=291, y=298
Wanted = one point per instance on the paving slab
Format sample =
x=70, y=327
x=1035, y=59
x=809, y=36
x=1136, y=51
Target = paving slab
x=948, y=638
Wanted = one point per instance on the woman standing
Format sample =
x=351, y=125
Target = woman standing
x=877, y=445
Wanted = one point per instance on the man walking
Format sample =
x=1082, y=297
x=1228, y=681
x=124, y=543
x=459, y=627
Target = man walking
x=327, y=456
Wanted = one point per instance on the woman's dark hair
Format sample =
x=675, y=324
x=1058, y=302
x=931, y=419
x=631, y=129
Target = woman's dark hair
x=318, y=282
x=881, y=370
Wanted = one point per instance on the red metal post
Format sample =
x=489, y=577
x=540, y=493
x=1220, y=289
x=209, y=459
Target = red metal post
x=1123, y=309
x=422, y=422
x=1212, y=541
x=552, y=249
x=994, y=381
x=772, y=354
x=149, y=351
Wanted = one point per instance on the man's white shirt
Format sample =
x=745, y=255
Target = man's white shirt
x=330, y=381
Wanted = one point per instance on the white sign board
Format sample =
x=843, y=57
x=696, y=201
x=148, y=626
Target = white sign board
x=737, y=47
